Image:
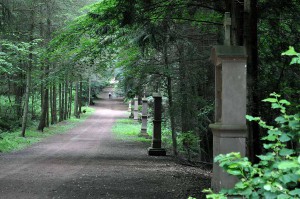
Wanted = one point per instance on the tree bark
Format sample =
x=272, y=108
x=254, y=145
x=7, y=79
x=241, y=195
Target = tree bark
x=61, y=102
x=66, y=99
x=28, y=77
x=70, y=100
x=76, y=112
x=43, y=118
x=90, y=91
x=54, y=104
x=80, y=98
x=250, y=41
x=170, y=97
x=51, y=104
x=27, y=95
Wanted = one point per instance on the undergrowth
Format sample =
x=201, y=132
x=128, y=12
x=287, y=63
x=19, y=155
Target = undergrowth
x=128, y=129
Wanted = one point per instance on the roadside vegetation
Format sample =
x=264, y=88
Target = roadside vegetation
x=13, y=141
x=129, y=129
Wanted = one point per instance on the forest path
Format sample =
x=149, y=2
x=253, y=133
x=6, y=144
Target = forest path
x=88, y=162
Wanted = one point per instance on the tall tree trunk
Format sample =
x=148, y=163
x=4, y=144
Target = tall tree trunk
x=90, y=91
x=70, y=100
x=66, y=99
x=54, y=104
x=170, y=97
x=27, y=96
x=51, y=104
x=18, y=96
x=250, y=41
x=28, y=77
x=47, y=105
x=76, y=112
x=61, y=102
x=32, y=107
x=80, y=98
x=43, y=118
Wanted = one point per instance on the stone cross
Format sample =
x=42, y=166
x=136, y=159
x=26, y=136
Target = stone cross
x=143, y=132
x=227, y=26
x=136, y=109
x=155, y=149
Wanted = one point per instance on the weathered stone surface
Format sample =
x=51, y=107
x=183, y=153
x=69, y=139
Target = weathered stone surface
x=136, y=109
x=156, y=149
x=143, y=132
x=229, y=129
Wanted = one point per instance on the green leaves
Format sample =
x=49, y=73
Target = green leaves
x=278, y=173
x=291, y=52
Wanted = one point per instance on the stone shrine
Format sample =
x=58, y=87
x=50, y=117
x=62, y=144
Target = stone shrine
x=229, y=129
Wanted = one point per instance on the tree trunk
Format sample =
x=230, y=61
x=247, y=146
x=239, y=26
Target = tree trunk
x=90, y=91
x=51, y=104
x=54, y=104
x=66, y=99
x=76, y=112
x=28, y=78
x=250, y=41
x=61, y=103
x=70, y=100
x=43, y=118
x=27, y=96
x=170, y=97
x=32, y=108
x=80, y=98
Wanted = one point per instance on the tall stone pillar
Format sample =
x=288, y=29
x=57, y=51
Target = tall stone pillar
x=229, y=129
x=131, y=105
x=143, y=132
x=136, y=109
x=155, y=149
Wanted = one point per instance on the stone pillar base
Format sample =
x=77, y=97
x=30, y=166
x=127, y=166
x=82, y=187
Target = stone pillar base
x=144, y=134
x=157, y=151
x=226, y=139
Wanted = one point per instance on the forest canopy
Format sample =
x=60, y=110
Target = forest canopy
x=56, y=55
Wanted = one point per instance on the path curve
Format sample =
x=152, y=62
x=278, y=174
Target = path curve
x=89, y=163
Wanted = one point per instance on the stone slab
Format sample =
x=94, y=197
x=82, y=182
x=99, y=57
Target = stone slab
x=157, y=151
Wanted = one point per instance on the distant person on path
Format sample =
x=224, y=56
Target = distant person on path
x=109, y=95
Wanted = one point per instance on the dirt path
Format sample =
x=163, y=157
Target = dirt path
x=88, y=162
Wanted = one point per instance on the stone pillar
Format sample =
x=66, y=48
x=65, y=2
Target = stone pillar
x=229, y=129
x=131, y=108
x=143, y=132
x=136, y=109
x=129, y=105
x=156, y=149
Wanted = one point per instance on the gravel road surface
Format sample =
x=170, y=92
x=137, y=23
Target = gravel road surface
x=88, y=162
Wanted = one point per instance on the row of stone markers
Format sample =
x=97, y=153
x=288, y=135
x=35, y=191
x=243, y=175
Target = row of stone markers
x=155, y=149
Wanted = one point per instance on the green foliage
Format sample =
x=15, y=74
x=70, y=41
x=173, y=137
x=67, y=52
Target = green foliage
x=128, y=129
x=188, y=142
x=291, y=52
x=277, y=175
x=12, y=141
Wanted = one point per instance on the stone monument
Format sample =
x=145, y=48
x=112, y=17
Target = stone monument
x=143, y=132
x=129, y=105
x=136, y=109
x=229, y=129
x=155, y=149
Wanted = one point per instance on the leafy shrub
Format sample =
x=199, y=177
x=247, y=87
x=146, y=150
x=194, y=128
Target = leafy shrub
x=277, y=175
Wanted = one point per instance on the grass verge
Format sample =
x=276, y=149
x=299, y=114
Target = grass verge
x=13, y=141
x=128, y=129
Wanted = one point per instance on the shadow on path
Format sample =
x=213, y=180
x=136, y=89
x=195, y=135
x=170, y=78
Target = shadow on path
x=88, y=162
